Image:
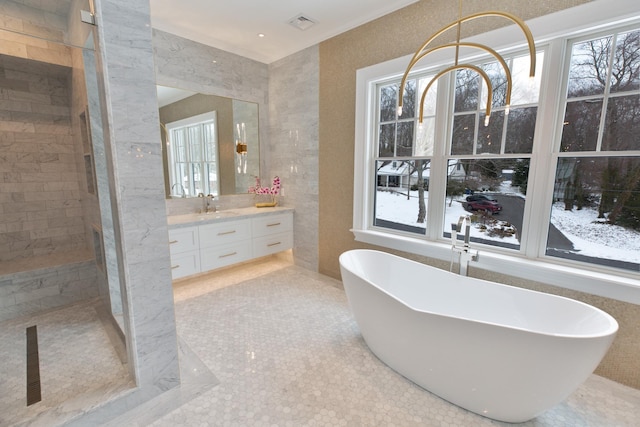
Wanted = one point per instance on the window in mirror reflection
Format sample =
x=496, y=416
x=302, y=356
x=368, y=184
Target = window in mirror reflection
x=193, y=147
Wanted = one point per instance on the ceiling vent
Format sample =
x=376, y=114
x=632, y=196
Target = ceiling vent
x=302, y=22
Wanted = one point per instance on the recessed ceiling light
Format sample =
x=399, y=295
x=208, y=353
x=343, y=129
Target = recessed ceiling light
x=260, y=35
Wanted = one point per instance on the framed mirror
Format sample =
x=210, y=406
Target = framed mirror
x=210, y=143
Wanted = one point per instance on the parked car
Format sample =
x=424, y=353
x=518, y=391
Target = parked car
x=484, y=205
x=480, y=197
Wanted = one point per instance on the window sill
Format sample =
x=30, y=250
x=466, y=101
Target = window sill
x=604, y=284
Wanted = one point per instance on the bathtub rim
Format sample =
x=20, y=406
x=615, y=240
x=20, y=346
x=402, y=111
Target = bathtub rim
x=612, y=328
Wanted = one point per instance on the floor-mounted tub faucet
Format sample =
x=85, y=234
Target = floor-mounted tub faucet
x=464, y=252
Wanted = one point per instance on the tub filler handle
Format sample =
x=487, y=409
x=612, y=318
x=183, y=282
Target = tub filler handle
x=463, y=254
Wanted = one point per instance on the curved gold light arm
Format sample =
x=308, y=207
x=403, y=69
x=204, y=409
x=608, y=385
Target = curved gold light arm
x=418, y=55
x=477, y=69
x=487, y=49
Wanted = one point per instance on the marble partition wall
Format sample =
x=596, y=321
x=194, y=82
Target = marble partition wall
x=293, y=128
x=125, y=64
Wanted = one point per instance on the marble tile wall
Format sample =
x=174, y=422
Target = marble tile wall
x=33, y=48
x=210, y=70
x=58, y=281
x=125, y=69
x=293, y=127
x=30, y=18
x=40, y=181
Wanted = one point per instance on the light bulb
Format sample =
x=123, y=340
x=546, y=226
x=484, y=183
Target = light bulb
x=506, y=110
x=486, y=120
x=399, y=110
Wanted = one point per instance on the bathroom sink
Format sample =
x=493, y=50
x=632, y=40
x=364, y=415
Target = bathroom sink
x=197, y=217
x=217, y=214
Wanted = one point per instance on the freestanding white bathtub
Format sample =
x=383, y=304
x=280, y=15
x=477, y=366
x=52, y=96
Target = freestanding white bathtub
x=502, y=352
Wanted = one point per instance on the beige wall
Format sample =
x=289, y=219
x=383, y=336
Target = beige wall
x=390, y=37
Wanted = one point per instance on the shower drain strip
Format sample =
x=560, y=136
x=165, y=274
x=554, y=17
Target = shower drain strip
x=33, y=367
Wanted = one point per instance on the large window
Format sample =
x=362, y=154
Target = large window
x=555, y=180
x=485, y=168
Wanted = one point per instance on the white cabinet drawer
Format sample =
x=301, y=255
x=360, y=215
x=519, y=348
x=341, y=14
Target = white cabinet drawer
x=271, y=224
x=268, y=245
x=224, y=232
x=183, y=240
x=185, y=264
x=223, y=255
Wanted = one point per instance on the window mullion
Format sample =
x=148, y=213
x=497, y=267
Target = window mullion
x=438, y=175
x=544, y=155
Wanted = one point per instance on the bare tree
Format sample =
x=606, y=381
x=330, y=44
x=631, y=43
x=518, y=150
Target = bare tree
x=595, y=64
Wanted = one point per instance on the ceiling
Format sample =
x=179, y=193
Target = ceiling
x=234, y=26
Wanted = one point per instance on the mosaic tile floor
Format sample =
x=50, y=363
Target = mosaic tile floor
x=271, y=344
x=77, y=362
x=287, y=352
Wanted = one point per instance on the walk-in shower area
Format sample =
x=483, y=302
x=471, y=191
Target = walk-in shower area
x=60, y=343
x=44, y=261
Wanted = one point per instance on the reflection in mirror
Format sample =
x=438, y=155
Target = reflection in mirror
x=192, y=150
x=210, y=143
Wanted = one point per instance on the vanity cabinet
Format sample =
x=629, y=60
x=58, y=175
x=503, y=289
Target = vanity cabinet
x=185, y=251
x=202, y=247
x=224, y=243
x=272, y=234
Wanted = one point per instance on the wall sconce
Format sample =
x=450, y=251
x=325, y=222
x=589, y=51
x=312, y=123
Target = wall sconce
x=241, y=148
x=426, y=50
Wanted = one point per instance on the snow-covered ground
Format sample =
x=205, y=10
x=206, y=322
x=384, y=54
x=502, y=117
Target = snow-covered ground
x=589, y=235
x=395, y=207
x=593, y=237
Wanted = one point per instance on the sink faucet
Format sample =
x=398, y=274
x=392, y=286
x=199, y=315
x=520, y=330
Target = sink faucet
x=464, y=252
x=207, y=205
x=181, y=188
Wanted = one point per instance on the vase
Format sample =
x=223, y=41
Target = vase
x=266, y=201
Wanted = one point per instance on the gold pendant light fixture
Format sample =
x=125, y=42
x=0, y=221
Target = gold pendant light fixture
x=427, y=49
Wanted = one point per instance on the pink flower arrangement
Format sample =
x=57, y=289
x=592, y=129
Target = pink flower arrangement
x=273, y=191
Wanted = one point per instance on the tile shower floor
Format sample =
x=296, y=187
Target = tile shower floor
x=275, y=345
x=78, y=364
x=287, y=352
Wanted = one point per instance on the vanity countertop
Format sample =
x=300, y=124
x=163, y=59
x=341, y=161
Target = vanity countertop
x=187, y=220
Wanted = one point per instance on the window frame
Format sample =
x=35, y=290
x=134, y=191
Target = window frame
x=529, y=262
